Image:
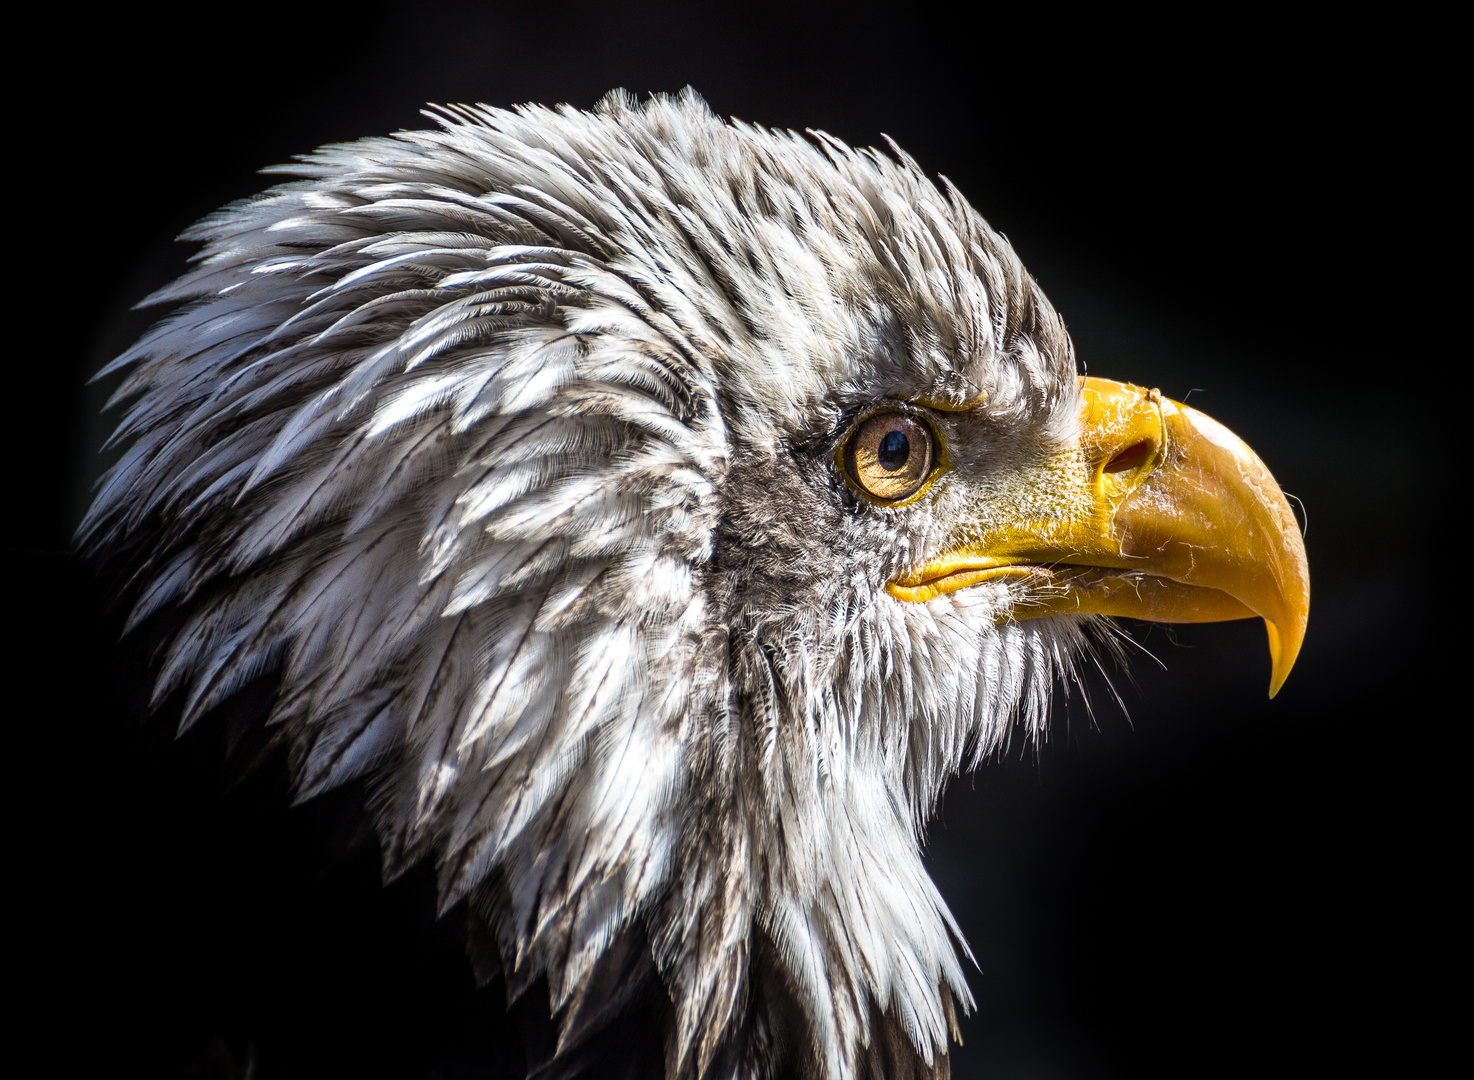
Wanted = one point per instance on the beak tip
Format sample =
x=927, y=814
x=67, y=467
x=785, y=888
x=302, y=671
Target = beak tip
x=1282, y=653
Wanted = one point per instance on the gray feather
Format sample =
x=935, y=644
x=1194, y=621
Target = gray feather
x=511, y=444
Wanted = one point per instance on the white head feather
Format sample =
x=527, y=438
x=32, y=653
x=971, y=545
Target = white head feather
x=512, y=445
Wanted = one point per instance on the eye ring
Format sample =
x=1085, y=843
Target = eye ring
x=890, y=456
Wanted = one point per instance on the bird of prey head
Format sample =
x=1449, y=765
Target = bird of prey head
x=656, y=511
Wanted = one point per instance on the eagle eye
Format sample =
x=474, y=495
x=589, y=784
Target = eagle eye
x=890, y=456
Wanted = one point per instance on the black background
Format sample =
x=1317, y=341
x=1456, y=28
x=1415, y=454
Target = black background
x=1200, y=882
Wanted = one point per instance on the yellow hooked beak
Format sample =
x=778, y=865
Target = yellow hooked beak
x=1161, y=514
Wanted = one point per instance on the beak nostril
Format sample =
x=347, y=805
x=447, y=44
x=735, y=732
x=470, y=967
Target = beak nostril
x=1131, y=457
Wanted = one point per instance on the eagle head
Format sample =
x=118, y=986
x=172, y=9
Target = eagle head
x=655, y=511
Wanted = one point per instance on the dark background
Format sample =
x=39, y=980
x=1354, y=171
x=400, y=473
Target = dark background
x=1199, y=882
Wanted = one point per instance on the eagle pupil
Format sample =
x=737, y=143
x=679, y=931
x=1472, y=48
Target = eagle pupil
x=895, y=448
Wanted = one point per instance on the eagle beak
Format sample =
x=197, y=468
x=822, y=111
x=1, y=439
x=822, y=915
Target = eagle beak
x=1158, y=513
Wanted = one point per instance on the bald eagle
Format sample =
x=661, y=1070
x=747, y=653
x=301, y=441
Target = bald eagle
x=653, y=512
